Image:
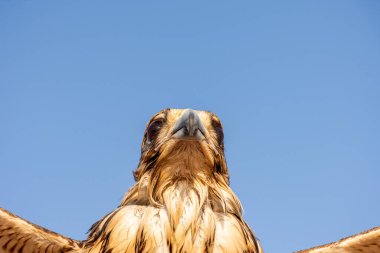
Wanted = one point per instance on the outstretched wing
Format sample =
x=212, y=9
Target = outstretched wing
x=20, y=236
x=366, y=242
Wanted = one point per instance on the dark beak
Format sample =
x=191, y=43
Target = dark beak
x=189, y=126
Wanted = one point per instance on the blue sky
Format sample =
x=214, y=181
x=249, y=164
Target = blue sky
x=295, y=83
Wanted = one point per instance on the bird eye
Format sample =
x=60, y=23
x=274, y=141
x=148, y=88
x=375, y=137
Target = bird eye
x=219, y=132
x=153, y=129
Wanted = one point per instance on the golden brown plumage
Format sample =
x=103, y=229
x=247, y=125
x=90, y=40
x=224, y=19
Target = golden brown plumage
x=181, y=201
x=365, y=242
x=21, y=236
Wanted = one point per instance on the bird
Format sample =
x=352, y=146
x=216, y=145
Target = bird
x=181, y=200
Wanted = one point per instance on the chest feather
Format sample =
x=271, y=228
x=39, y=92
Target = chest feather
x=186, y=223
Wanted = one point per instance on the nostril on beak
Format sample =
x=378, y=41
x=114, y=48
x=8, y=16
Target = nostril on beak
x=188, y=126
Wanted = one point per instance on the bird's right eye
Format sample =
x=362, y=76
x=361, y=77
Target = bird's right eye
x=153, y=130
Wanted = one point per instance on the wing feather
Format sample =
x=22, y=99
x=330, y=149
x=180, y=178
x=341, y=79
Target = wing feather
x=20, y=236
x=366, y=242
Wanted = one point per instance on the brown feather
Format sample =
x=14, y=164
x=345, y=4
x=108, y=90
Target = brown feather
x=20, y=236
x=365, y=242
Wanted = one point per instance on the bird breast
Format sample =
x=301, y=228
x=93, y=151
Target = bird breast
x=186, y=223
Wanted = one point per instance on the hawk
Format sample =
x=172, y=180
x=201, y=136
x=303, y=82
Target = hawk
x=181, y=201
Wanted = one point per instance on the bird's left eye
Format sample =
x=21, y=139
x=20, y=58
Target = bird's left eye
x=153, y=130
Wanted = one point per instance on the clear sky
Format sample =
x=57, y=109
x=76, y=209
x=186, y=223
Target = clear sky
x=295, y=83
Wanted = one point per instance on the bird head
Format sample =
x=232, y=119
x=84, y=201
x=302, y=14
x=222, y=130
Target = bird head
x=188, y=141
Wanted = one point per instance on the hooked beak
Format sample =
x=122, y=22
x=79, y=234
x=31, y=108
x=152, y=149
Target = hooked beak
x=189, y=126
